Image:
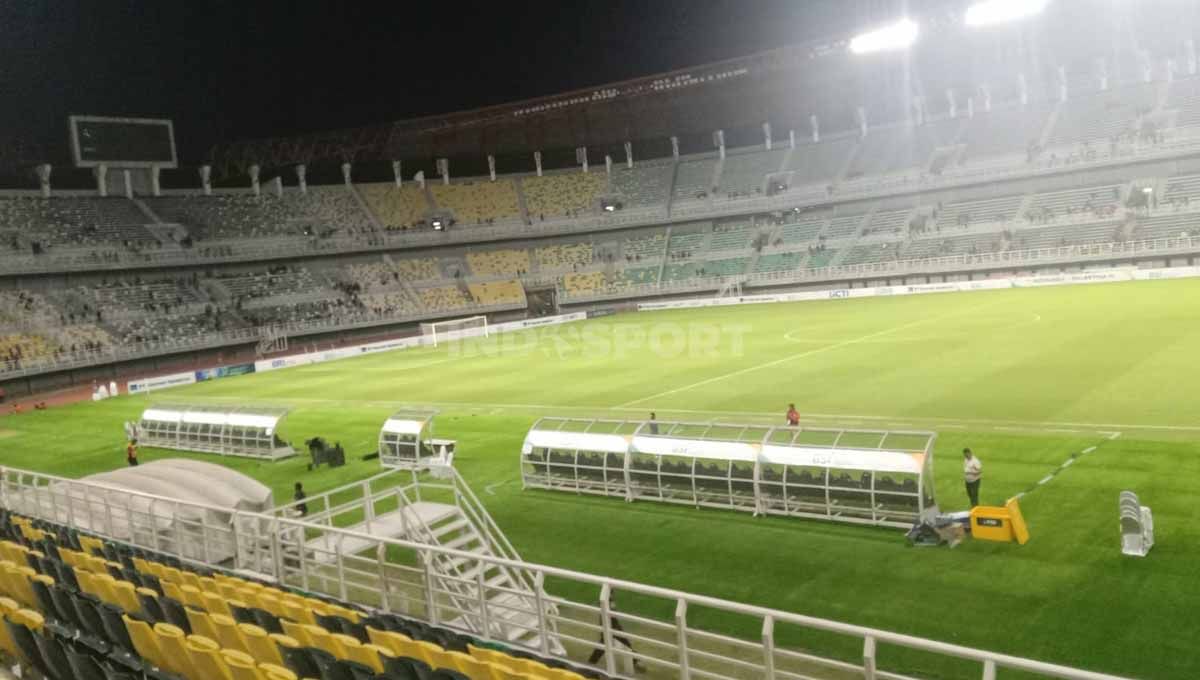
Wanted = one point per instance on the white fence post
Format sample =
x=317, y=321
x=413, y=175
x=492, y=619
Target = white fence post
x=768, y=641
x=989, y=670
x=868, y=658
x=539, y=595
x=610, y=659
x=685, y=671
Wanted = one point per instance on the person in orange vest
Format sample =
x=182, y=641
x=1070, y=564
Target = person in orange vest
x=131, y=453
x=793, y=416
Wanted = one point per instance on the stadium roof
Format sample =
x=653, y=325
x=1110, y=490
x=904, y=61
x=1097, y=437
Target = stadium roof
x=783, y=87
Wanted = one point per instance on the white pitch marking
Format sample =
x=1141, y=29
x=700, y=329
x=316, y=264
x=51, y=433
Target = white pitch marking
x=490, y=488
x=1114, y=435
x=1066, y=431
x=1089, y=449
x=1045, y=479
x=793, y=357
x=1069, y=463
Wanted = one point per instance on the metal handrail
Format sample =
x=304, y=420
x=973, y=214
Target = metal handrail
x=15, y=496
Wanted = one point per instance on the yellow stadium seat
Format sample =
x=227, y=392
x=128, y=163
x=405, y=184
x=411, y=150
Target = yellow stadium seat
x=204, y=657
x=295, y=609
x=282, y=640
x=259, y=644
x=296, y=631
x=228, y=635
x=200, y=623
x=270, y=671
x=353, y=650
x=214, y=602
x=171, y=590
x=29, y=618
x=144, y=641
x=125, y=594
x=191, y=596
x=501, y=672
x=241, y=665
x=468, y=665
x=91, y=545
x=172, y=645
x=320, y=638
x=429, y=652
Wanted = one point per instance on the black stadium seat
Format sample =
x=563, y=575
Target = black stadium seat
x=84, y=665
x=53, y=656
x=300, y=661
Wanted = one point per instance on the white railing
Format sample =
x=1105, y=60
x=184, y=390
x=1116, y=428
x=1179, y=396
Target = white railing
x=273, y=547
x=1077, y=254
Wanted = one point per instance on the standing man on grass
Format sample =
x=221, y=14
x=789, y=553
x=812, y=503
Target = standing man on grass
x=972, y=475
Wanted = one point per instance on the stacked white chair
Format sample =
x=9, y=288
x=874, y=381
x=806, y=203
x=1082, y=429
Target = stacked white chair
x=1137, y=526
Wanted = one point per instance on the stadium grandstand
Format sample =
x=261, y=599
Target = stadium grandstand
x=876, y=166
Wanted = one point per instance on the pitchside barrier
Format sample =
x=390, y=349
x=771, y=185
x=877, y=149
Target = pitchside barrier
x=1097, y=276
x=398, y=575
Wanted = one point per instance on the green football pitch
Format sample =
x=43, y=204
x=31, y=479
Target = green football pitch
x=1028, y=378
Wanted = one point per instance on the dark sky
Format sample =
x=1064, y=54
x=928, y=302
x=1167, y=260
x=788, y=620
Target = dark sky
x=236, y=69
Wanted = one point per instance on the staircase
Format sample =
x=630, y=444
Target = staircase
x=439, y=509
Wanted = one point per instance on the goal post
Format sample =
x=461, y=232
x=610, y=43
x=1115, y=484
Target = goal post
x=455, y=329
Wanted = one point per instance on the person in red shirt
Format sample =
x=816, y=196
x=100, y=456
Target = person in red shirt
x=793, y=416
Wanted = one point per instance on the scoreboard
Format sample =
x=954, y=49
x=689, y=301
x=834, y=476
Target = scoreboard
x=122, y=142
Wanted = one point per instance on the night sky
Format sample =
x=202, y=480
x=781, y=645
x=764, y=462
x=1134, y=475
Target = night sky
x=228, y=70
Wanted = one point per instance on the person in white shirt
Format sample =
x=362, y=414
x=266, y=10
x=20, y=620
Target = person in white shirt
x=972, y=474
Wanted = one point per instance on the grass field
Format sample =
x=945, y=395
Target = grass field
x=1027, y=378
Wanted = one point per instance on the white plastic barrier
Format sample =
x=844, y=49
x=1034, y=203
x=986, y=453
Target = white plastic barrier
x=160, y=382
x=1077, y=278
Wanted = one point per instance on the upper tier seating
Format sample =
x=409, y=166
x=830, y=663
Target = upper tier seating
x=478, y=202
x=395, y=207
x=884, y=150
x=562, y=256
x=842, y=227
x=821, y=162
x=779, y=262
x=501, y=261
x=1184, y=96
x=1101, y=115
x=694, y=178
x=577, y=283
x=644, y=245
x=1002, y=132
x=16, y=348
x=874, y=252
x=238, y=215
x=745, y=173
x=637, y=276
x=389, y=304
x=892, y=222
x=75, y=221
x=418, y=268
x=370, y=275
x=145, y=296
x=731, y=235
x=968, y=213
x=648, y=183
x=498, y=292
x=1170, y=225
x=955, y=245
x=328, y=207
x=686, y=241
x=805, y=230
x=1181, y=189
x=1099, y=201
x=443, y=298
x=278, y=281
x=1066, y=235
x=562, y=194
x=732, y=266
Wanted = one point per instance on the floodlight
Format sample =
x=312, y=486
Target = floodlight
x=437, y=224
x=991, y=12
x=896, y=36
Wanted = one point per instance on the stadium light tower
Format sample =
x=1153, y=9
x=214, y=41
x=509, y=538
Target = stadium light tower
x=896, y=36
x=991, y=12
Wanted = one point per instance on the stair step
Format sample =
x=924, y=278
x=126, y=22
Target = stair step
x=450, y=527
x=465, y=539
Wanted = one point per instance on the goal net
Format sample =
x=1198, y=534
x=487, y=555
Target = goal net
x=454, y=329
